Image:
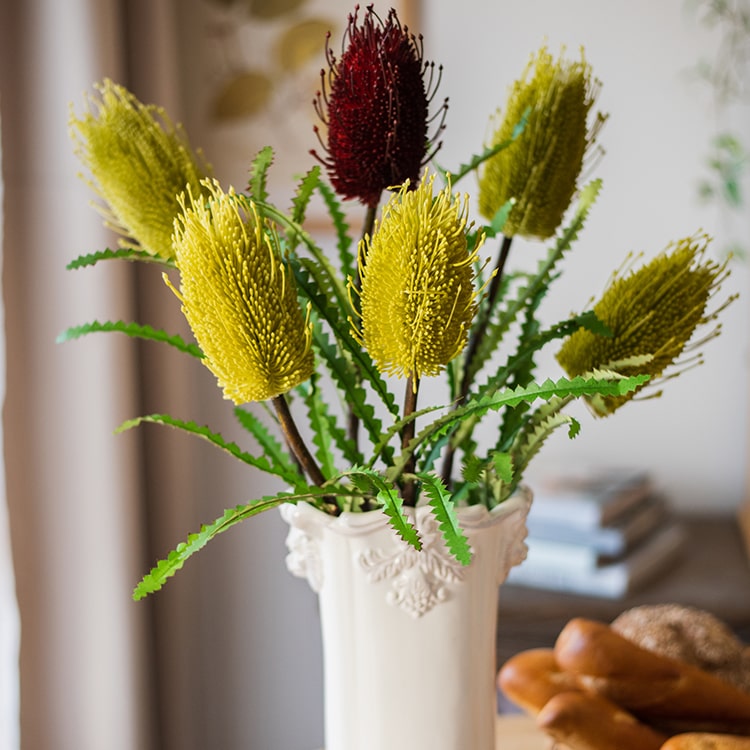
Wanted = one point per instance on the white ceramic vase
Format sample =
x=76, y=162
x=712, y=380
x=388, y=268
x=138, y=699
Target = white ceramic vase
x=408, y=637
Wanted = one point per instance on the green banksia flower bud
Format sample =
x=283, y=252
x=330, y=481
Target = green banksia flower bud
x=417, y=282
x=374, y=101
x=139, y=162
x=652, y=314
x=540, y=169
x=238, y=298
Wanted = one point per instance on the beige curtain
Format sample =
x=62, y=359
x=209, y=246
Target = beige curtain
x=229, y=650
x=72, y=486
x=10, y=625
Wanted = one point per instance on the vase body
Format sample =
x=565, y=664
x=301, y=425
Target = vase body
x=408, y=636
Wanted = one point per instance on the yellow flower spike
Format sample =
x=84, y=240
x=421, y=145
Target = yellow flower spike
x=238, y=299
x=540, y=169
x=139, y=163
x=417, y=282
x=653, y=313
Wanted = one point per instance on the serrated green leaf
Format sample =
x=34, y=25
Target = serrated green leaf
x=381, y=444
x=531, y=293
x=313, y=289
x=472, y=468
x=134, y=330
x=540, y=425
x=216, y=439
x=535, y=343
x=445, y=514
x=323, y=265
x=304, y=193
x=503, y=464
x=124, y=253
x=272, y=448
x=391, y=501
x=257, y=184
x=478, y=159
x=426, y=460
x=495, y=227
x=600, y=383
x=590, y=322
x=322, y=425
x=346, y=380
x=167, y=567
x=347, y=260
x=530, y=341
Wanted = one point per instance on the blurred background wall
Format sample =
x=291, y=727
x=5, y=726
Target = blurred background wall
x=657, y=141
x=228, y=655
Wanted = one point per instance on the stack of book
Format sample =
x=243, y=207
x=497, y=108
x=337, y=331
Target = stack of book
x=602, y=534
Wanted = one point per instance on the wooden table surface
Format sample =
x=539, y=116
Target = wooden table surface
x=518, y=732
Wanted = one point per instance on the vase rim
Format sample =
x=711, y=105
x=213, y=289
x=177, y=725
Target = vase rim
x=352, y=522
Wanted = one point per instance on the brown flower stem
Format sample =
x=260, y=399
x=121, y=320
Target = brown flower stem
x=481, y=328
x=407, y=435
x=295, y=442
x=367, y=227
x=474, y=341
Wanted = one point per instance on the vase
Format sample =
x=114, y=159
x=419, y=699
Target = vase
x=408, y=636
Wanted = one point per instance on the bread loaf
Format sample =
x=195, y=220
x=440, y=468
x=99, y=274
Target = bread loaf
x=690, y=635
x=590, y=722
x=532, y=677
x=662, y=691
x=706, y=741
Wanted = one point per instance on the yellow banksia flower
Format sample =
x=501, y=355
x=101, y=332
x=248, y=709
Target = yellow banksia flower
x=540, y=169
x=238, y=297
x=653, y=313
x=417, y=282
x=139, y=163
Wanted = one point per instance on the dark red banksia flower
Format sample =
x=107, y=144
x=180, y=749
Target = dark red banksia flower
x=374, y=102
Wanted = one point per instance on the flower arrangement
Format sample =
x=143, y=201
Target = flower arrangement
x=274, y=315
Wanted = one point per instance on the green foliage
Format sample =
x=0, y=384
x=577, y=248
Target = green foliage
x=258, y=183
x=310, y=282
x=326, y=432
x=346, y=379
x=167, y=567
x=609, y=384
x=388, y=498
x=325, y=273
x=304, y=193
x=488, y=152
x=273, y=451
x=365, y=452
x=281, y=469
x=495, y=227
x=134, y=330
x=728, y=158
x=537, y=428
x=529, y=295
x=503, y=465
x=344, y=240
x=124, y=253
x=728, y=166
x=472, y=468
x=443, y=508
